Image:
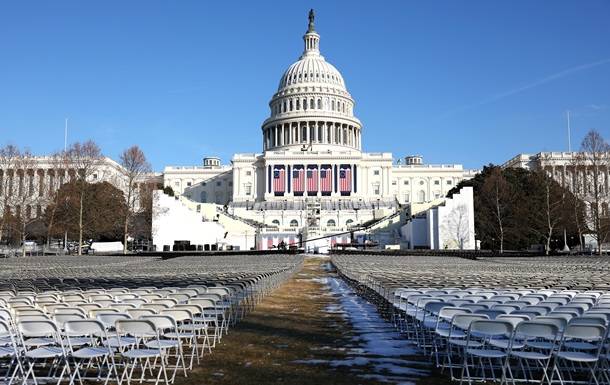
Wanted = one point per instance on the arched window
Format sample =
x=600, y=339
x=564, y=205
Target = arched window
x=294, y=223
x=332, y=105
x=290, y=104
x=349, y=222
x=331, y=223
x=311, y=104
x=421, y=196
x=203, y=196
x=319, y=104
x=275, y=222
x=284, y=106
x=298, y=104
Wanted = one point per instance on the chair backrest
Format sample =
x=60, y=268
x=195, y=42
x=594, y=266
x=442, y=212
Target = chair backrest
x=137, y=313
x=136, y=328
x=161, y=321
x=559, y=322
x=42, y=328
x=205, y=303
x=474, y=307
x=490, y=328
x=513, y=319
x=448, y=312
x=491, y=313
x=68, y=310
x=61, y=319
x=179, y=315
x=463, y=321
x=535, y=329
x=589, y=333
x=84, y=327
x=587, y=321
x=109, y=319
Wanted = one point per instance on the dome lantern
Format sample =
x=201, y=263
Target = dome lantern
x=311, y=38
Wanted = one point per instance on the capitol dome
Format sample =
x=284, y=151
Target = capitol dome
x=312, y=106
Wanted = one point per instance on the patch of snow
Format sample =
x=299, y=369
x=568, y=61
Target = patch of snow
x=378, y=343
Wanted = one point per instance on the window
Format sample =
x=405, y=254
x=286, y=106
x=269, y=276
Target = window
x=407, y=197
x=449, y=182
x=331, y=223
x=203, y=196
x=376, y=172
x=406, y=182
x=248, y=189
x=94, y=176
x=294, y=223
x=437, y=182
x=203, y=183
x=421, y=182
x=393, y=183
x=248, y=173
x=349, y=222
x=376, y=189
x=421, y=196
x=188, y=184
x=218, y=183
x=230, y=184
x=275, y=222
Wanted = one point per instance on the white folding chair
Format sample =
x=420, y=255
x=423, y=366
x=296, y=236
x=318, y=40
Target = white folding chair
x=532, y=348
x=92, y=354
x=579, y=351
x=9, y=350
x=52, y=350
x=139, y=355
x=479, y=348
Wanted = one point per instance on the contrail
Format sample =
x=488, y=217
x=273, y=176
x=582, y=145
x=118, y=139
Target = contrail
x=526, y=87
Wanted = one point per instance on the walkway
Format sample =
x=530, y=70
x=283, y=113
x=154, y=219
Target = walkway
x=313, y=330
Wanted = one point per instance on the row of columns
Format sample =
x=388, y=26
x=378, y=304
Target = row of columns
x=311, y=132
x=41, y=181
x=568, y=177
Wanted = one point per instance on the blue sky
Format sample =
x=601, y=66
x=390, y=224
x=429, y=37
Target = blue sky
x=468, y=82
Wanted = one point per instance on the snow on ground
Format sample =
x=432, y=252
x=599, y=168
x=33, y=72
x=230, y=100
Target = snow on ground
x=377, y=344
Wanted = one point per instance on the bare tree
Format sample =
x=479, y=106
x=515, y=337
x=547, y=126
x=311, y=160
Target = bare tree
x=86, y=160
x=594, y=158
x=135, y=169
x=59, y=163
x=9, y=156
x=457, y=225
x=495, y=196
x=546, y=213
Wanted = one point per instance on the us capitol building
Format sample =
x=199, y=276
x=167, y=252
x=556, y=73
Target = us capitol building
x=312, y=177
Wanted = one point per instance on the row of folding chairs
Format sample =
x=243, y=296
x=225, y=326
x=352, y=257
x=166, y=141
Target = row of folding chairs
x=513, y=320
x=120, y=334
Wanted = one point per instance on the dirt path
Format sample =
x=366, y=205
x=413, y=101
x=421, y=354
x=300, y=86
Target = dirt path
x=300, y=335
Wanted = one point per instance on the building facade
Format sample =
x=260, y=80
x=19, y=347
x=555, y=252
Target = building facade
x=312, y=177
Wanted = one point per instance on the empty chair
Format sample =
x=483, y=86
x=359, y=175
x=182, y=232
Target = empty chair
x=138, y=354
x=480, y=353
x=92, y=352
x=579, y=351
x=533, y=346
x=34, y=353
x=9, y=350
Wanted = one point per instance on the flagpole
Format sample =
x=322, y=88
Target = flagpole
x=569, y=132
x=66, y=135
